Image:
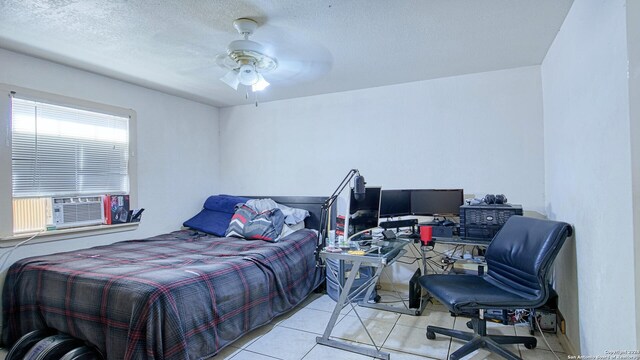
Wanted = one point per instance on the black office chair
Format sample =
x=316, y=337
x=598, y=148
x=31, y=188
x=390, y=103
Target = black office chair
x=518, y=260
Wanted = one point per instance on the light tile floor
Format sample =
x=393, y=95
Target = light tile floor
x=293, y=336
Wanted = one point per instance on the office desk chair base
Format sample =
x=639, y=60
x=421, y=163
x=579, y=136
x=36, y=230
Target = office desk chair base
x=479, y=339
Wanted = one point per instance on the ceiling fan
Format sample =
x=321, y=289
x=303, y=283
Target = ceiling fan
x=246, y=60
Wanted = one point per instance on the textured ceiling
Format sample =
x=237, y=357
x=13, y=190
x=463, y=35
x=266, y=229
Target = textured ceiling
x=322, y=46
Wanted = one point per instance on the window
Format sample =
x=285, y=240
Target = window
x=67, y=148
x=62, y=151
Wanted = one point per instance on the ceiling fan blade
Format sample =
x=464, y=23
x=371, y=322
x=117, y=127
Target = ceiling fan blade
x=231, y=79
x=300, y=58
x=299, y=71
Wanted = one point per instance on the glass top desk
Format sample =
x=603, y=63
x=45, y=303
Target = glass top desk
x=381, y=254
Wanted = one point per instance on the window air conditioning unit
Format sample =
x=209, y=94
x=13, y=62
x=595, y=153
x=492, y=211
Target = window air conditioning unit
x=77, y=211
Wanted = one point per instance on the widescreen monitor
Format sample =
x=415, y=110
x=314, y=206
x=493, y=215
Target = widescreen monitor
x=434, y=202
x=395, y=203
x=364, y=214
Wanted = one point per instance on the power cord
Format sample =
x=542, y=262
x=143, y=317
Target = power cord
x=408, y=262
x=391, y=294
x=8, y=253
x=535, y=318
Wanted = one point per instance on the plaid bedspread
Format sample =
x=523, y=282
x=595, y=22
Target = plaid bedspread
x=183, y=295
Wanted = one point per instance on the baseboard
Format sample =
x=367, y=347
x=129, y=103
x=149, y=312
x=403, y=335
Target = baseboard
x=567, y=345
x=563, y=338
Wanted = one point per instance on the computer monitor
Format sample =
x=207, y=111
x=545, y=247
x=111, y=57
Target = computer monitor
x=433, y=202
x=395, y=203
x=364, y=214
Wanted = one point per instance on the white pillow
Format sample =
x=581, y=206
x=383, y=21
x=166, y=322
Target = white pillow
x=291, y=215
x=290, y=229
x=298, y=226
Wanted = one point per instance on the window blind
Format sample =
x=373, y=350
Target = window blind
x=65, y=151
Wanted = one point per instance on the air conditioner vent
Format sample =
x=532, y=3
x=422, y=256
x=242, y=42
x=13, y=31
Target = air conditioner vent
x=77, y=211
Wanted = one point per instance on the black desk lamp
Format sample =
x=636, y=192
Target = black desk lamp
x=358, y=193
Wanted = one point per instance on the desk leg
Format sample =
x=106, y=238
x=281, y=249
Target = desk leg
x=424, y=259
x=425, y=296
x=344, y=294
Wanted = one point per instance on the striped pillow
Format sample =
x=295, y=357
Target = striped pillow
x=248, y=224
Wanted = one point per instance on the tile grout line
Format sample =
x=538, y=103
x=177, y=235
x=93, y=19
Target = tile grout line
x=254, y=352
x=396, y=322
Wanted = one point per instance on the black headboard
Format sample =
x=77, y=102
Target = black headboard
x=313, y=204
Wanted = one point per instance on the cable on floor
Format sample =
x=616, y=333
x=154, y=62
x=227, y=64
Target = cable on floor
x=535, y=318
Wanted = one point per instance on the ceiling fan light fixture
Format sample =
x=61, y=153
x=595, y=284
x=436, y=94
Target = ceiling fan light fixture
x=231, y=79
x=260, y=85
x=247, y=75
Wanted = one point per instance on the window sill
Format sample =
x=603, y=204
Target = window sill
x=64, y=234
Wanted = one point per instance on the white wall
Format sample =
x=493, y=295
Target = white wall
x=588, y=174
x=177, y=149
x=481, y=132
x=633, y=47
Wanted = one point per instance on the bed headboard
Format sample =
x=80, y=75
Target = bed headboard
x=313, y=204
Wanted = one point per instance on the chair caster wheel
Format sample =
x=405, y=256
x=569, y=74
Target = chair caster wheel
x=531, y=345
x=431, y=335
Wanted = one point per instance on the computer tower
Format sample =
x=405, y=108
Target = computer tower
x=415, y=290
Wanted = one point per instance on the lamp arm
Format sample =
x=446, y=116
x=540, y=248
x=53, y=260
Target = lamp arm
x=328, y=203
x=331, y=199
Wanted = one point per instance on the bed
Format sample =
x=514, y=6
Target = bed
x=182, y=295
